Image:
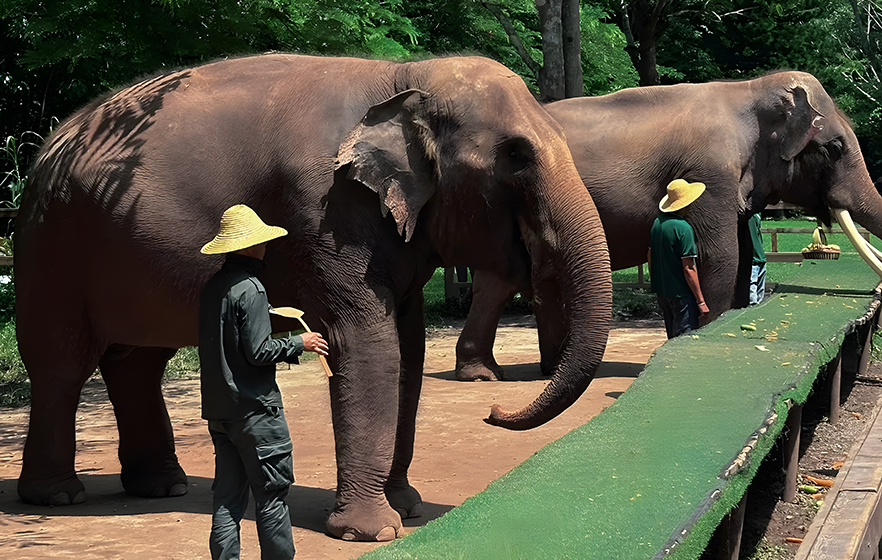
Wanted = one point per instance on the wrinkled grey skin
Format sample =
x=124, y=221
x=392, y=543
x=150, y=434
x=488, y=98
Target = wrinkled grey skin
x=380, y=172
x=756, y=142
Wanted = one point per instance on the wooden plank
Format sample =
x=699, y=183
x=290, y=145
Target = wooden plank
x=5, y=261
x=808, y=230
x=843, y=532
x=784, y=257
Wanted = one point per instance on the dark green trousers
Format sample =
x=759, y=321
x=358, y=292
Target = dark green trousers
x=255, y=454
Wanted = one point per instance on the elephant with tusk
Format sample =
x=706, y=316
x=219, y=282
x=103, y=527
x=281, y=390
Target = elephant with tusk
x=753, y=143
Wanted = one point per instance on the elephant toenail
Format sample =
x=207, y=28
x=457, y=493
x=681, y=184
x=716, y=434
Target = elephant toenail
x=387, y=534
x=348, y=536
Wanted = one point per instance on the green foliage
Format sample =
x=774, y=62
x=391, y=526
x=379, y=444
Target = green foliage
x=15, y=388
x=183, y=364
x=7, y=293
x=14, y=155
x=375, y=29
x=606, y=66
x=634, y=303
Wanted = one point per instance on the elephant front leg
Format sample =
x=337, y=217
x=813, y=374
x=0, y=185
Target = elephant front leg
x=364, y=406
x=146, y=442
x=411, y=332
x=474, y=349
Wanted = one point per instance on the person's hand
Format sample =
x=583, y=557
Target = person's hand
x=703, y=310
x=314, y=342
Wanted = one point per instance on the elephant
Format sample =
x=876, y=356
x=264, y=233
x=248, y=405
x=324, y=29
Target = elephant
x=753, y=143
x=380, y=171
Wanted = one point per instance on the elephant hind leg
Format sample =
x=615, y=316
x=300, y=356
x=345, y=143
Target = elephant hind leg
x=146, y=442
x=57, y=375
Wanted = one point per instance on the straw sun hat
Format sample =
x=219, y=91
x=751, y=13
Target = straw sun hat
x=680, y=195
x=240, y=228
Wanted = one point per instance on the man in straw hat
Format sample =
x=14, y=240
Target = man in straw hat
x=240, y=397
x=672, y=260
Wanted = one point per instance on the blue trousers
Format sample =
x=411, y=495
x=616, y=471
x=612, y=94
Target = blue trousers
x=255, y=454
x=680, y=314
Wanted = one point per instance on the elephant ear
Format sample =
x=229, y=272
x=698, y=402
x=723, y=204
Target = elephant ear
x=390, y=151
x=802, y=122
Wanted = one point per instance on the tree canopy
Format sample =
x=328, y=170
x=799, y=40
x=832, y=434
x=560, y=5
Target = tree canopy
x=58, y=54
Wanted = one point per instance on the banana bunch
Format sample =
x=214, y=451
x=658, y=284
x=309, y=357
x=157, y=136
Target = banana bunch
x=819, y=243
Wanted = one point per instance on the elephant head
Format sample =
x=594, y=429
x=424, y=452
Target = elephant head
x=814, y=159
x=483, y=188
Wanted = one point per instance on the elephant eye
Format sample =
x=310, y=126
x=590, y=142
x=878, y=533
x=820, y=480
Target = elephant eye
x=516, y=155
x=834, y=149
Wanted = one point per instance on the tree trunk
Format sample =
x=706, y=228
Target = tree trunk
x=641, y=23
x=572, y=49
x=560, y=74
x=551, y=77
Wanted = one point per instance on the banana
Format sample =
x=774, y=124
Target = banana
x=819, y=243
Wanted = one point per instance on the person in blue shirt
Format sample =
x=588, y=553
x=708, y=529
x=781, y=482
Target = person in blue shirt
x=673, y=257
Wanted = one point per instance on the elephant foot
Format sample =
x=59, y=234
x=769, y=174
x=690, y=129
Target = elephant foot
x=168, y=482
x=405, y=500
x=367, y=524
x=479, y=371
x=48, y=493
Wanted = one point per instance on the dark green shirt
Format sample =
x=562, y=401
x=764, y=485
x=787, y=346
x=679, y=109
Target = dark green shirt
x=237, y=355
x=670, y=240
x=756, y=238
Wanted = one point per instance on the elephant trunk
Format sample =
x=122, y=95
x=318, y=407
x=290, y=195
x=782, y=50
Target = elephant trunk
x=569, y=251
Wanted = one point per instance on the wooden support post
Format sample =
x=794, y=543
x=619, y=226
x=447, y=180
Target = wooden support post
x=448, y=283
x=730, y=530
x=834, y=383
x=791, y=451
x=867, y=349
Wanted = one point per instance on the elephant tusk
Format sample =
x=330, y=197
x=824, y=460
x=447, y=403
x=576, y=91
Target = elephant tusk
x=874, y=250
x=862, y=246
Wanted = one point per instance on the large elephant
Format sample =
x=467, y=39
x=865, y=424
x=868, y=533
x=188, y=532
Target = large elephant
x=380, y=171
x=779, y=137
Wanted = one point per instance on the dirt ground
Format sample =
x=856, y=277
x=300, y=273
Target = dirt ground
x=457, y=455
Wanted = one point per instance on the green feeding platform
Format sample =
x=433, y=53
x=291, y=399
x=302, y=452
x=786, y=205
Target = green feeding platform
x=654, y=474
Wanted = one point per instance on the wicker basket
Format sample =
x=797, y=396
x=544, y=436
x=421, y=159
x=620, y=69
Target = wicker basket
x=827, y=254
